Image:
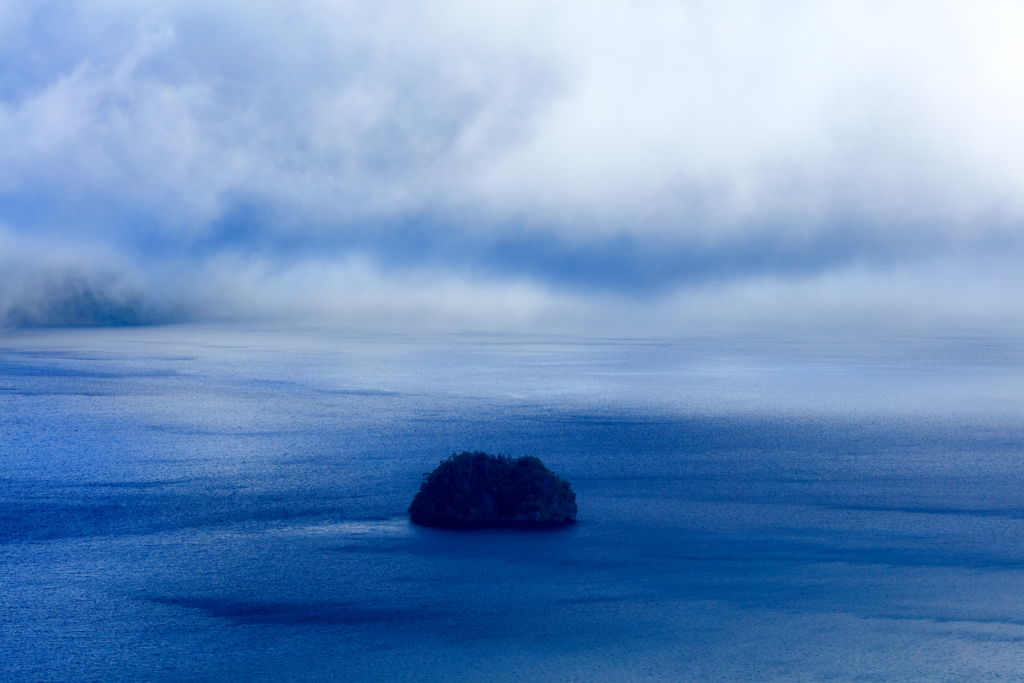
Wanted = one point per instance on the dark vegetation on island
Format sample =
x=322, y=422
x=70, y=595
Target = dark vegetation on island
x=474, y=490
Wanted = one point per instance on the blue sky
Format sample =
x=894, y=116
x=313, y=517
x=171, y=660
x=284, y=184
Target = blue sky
x=621, y=165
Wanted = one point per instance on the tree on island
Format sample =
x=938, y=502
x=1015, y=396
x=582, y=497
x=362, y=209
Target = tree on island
x=474, y=490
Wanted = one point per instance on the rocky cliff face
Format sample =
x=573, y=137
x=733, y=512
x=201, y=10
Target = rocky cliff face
x=476, y=490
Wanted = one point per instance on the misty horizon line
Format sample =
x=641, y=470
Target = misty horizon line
x=72, y=298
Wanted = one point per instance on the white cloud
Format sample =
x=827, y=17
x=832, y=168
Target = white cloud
x=791, y=110
x=893, y=126
x=566, y=112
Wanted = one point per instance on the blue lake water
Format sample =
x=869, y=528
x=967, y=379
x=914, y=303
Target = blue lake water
x=227, y=503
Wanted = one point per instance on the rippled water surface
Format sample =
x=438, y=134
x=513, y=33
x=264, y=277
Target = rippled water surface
x=222, y=503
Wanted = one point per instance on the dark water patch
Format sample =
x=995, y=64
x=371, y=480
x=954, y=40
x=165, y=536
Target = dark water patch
x=591, y=600
x=308, y=613
x=134, y=484
x=56, y=371
x=126, y=515
x=78, y=355
x=375, y=547
x=966, y=620
x=359, y=392
x=193, y=430
x=744, y=555
x=67, y=371
x=1006, y=513
x=70, y=391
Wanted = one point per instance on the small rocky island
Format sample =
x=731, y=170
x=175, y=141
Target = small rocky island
x=474, y=490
